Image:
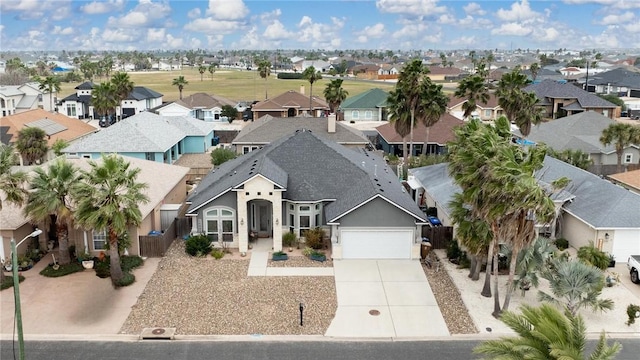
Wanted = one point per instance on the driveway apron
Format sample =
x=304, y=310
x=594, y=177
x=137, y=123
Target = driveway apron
x=384, y=299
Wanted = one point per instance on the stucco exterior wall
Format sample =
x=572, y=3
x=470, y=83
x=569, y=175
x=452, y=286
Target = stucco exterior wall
x=578, y=233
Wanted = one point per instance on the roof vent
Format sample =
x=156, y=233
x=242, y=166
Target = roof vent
x=363, y=163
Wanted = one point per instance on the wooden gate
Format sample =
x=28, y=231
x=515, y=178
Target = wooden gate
x=439, y=236
x=157, y=245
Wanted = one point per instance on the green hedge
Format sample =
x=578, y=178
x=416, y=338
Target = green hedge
x=290, y=76
x=70, y=268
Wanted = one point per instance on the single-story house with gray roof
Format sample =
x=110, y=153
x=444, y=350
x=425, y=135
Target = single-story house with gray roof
x=590, y=209
x=268, y=129
x=302, y=181
x=147, y=136
x=560, y=99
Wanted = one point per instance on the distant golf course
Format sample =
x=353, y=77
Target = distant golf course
x=234, y=84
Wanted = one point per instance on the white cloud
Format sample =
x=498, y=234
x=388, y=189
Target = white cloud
x=514, y=29
x=473, y=9
x=464, y=41
x=320, y=35
x=548, y=35
x=174, y=42
x=227, y=9
x=269, y=16
x=194, y=13
x=145, y=14
x=32, y=9
x=618, y=19
x=633, y=28
x=519, y=11
x=410, y=7
x=155, y=34
x=618, y=4
x=58, y=30
x=215, y=41
x=102, y=7
x=410, y=31
x=375, y=31
x=277, y=31
x=118, y=35
x=211, y=25
x=446, y=19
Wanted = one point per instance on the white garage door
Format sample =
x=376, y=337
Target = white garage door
x=376, y=244
x=625, y=243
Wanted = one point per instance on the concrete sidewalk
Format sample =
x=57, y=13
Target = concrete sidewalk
x=258, y=265
x=80, y=303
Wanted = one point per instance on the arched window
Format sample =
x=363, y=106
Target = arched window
x=355, y=114
x=220, y=223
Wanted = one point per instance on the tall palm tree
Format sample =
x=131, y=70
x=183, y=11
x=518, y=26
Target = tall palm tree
x=123, y=86
x=575, y=285
x=50, y=84
x=32, y=144
x=433, y=104
x=104, y=99
x=335, y=94
x=211, y=69
x=52, y=194
x=109, y=198
x=545, y=333
x=400, y=118
x=519, y=106
x=312, y=75
x=11, y=182
x=535, y=69
x=621, y=136
x=201, y=70
x=474, y=89
x=264, y=69
x=180, y=82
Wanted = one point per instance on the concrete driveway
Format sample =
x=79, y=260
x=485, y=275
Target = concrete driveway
x=384, y=299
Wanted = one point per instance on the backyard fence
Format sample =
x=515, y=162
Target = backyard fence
x=439, y=236
x=157, y=245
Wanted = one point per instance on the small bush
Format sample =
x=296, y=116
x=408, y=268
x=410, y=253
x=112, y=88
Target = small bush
x=128, y=263
x=289, y=239
x=307, y=251
x=632, y=309
x=198, y=245
x=217, y=254
x=126, y=280
x=289, y=76
x=70, y=268
x=593, y=256
x=453, y=250
x=8, y=282
x=562, y=244
x=221, y=155
x=103, y=269
x=313, y=238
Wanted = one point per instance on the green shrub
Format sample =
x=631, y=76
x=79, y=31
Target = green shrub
x=198, y=245
x=128, y=263
x=70, y=268
x=593, y=256
x=632, y=309
x=313, y=238
x=221, y=155
x=8, y=282
x=562, y=244
x=103, y=269
x=217, y=254
x=307, y=251
x=453, y=250
x=289, y=239
x=289, y=76
x=126, y=280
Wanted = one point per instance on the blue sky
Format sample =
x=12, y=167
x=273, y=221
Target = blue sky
x=302, y=24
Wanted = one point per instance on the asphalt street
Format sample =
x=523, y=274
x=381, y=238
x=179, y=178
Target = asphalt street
x=259, y=349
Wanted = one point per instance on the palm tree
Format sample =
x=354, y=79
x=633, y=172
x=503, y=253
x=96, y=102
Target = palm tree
x=621, y=136
x=474, y=89
x=545, y=333
x=400, y=117
x=264, y=69
x=312, y=75
x=52, y=194
x=11, y=182
x=104, y=99
x=575, y=285
x=211, y=69
x=534, y=68
x=335, y=94
x=433, y=105
x=520, y=107
x=123, y=86
x=50, y=84
x=201, y=70
x=109, y=198
x=32, y=144
x=180, y=82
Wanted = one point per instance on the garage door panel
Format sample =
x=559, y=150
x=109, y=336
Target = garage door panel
x=376, y=244
x=625, y=243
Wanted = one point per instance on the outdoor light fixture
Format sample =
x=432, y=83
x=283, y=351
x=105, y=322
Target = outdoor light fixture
x=16, y=289
x=606, y=236
x=277, y=221
x=241, y=221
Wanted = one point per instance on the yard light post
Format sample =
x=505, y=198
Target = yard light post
x=16, y=289
x=301, y=311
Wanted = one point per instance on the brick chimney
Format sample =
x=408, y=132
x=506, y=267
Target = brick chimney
x=302, y=89
x=331, y=123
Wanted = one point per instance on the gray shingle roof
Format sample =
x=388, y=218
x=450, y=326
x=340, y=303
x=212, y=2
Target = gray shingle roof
x=143, y=132
x=311, y=168
x=617, y=77
x=596, y=201
x=142, y=93
x=268, y=129
x=553, y=89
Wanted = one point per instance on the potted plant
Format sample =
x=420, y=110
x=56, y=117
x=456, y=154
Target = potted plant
x=317, y=256
x=279, y=256
x=86, y=259
x=7, y=264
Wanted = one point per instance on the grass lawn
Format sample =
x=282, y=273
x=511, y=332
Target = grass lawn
x=230, y=83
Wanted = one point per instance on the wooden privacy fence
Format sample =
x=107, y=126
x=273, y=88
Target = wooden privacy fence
x=439, y=236
x=157, y=245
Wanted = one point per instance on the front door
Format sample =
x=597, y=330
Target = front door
x=264, y=220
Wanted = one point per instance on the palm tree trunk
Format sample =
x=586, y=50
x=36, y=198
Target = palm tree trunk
x=619, y=167
x=512, y=272
x=426, y=142
x=404, y=149
x=486, y=289
x=413, y=119
x=496, y=297
x=311, y=98
x=114, y=255
x=62, y=230
x=476, y=266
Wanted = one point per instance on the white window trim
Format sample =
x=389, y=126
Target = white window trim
x=355, y=114
x=220, y=218
x=368, y=115
x=628, y=158
x=99, y=236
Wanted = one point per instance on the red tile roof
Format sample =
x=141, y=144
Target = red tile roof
x=440, y=133
x=74, y=128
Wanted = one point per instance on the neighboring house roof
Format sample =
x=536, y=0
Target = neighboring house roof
x=141, y=93
x=553, y=89
x=492, y=103
x=204, y=101
x=268, y=129
x=10, y=90
x=371, y=99
x=576, y=132
x=27, y=102
x=87, y=85
x=617, y=77
x=11, y=216
x=595, y=201
x=444, y=70
x=56, y=125
x=311, y=168
x=143, y=132
x=439, y=133
x=628, y=178
x=290, y=99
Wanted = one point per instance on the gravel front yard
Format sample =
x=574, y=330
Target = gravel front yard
x=215, y=297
